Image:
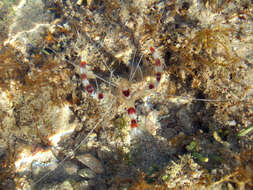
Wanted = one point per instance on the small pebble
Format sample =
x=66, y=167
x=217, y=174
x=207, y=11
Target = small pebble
x=91, y=162
x=86, y=173
x=70, y=168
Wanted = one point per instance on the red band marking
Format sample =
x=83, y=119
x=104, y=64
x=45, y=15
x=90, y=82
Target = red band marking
x=126, y=92
x=151, y=86
x=89, y=88
x=157, y=62
x=131, y=111
x=158, y=77
x=134, y=123
x=100, y=96
x=83, y=76
x=152, y=49
x=83, y=64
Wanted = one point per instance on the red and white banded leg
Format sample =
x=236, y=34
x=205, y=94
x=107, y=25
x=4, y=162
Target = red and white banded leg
x=88, y=87
x=135, y=129
x=126, y=92
x=159, y=62
x=133, y=116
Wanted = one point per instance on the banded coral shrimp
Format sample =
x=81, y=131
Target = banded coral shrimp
x=131, y=97
x=127, y=92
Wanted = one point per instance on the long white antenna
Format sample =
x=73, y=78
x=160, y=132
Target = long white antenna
x=131, y=78
x=132, y=65
x=110, y=83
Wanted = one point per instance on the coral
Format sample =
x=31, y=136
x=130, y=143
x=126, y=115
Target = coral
x=141, y=184
x=242, y=176
x=11, y=67
x=184, y=174
x=7, y=168
x=216, y=5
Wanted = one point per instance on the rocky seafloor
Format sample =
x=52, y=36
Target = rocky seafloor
x=195, y=125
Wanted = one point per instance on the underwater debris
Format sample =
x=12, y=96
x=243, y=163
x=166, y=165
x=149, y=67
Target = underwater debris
x=142, y=184
x=216, y=5
x=245, y=131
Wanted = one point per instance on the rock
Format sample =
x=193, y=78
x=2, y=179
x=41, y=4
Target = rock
x=31, y=21
x=185, y=119
x=104, y=153
x=84, y=185
x=87, y=173
x=99, y=184
x=66, y=185
x=70, y=168
x=91, y=162
x=3, y=149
